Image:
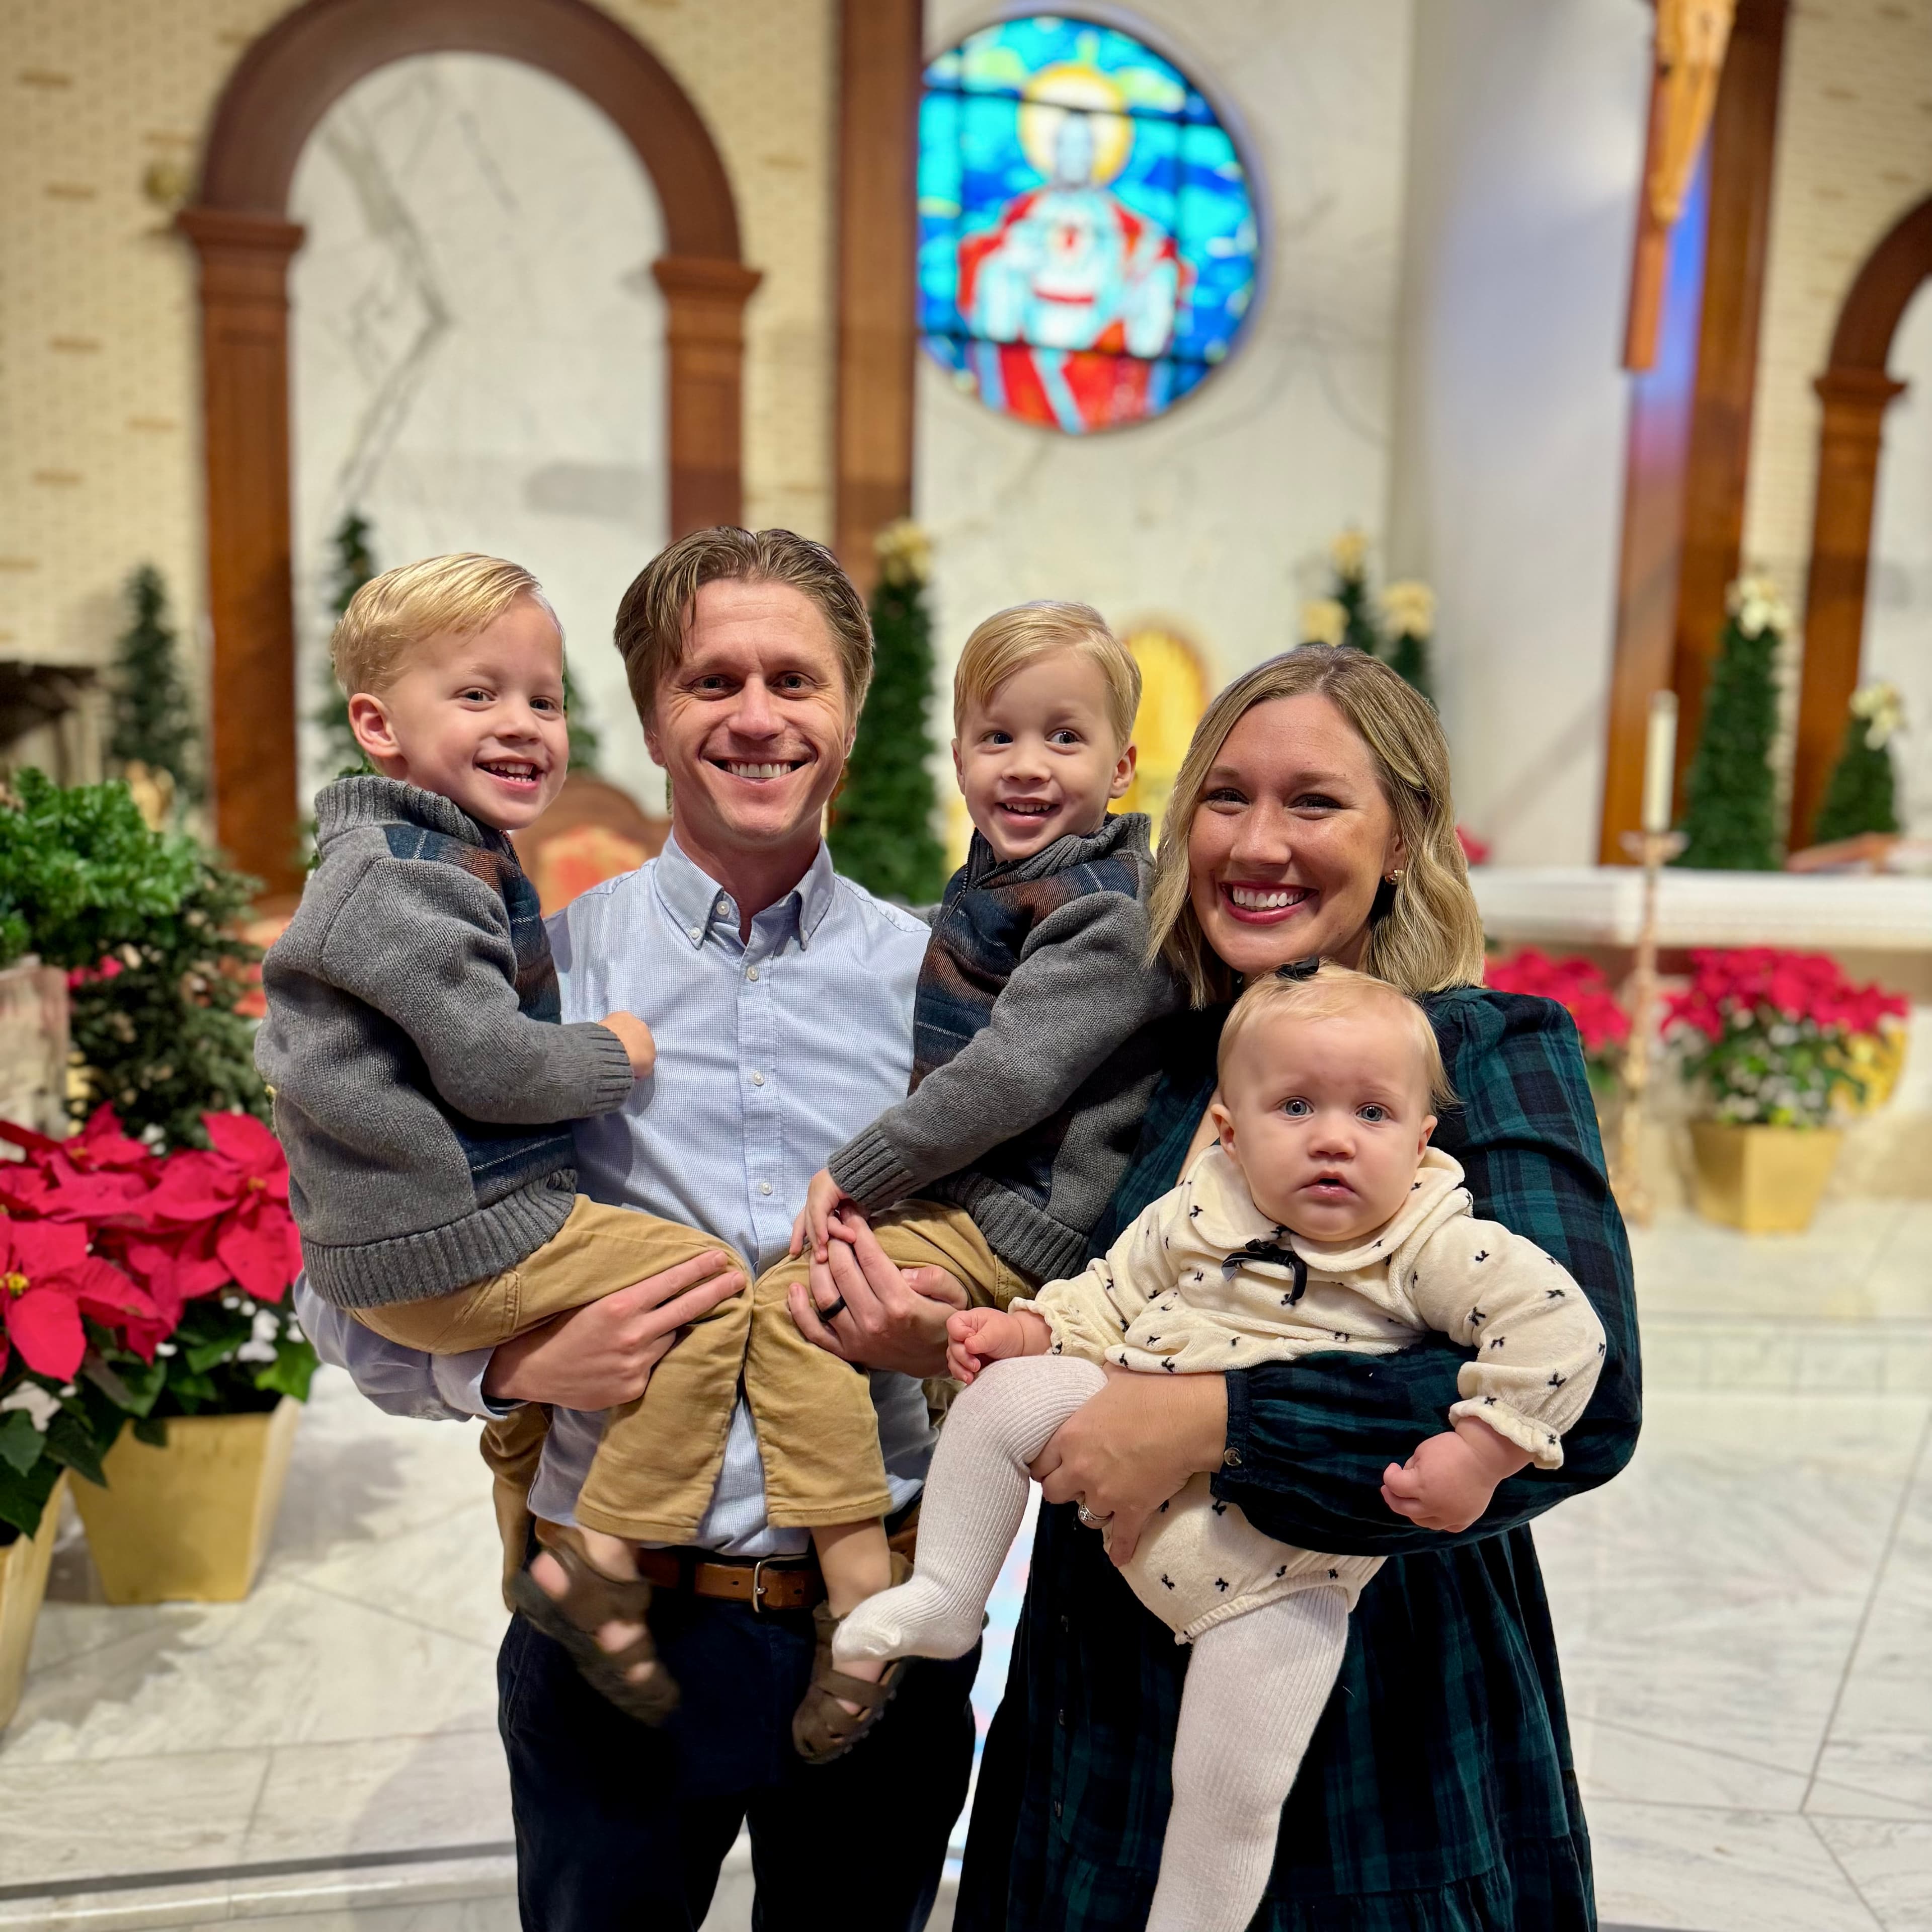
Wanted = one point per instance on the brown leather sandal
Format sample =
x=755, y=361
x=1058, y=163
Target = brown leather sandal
x=822, y=1728
x=592, y=1601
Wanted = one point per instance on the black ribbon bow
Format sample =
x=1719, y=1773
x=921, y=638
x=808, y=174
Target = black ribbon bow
x=1262, y=1249
x=1300, y=969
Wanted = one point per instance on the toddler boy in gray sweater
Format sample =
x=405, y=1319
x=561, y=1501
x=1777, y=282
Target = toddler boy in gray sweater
x=425, y=1087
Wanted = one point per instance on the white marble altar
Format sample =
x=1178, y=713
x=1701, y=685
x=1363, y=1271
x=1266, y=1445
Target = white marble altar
x=477, y=353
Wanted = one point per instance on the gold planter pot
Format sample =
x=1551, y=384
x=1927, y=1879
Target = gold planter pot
x=1766, y=1180
x=191, y=1520
x=23, y=1583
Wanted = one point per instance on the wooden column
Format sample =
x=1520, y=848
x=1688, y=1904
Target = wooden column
x=704, y=332
x=244, y=260
x=1849, y=439
x=880, y=64
x=1689, y=448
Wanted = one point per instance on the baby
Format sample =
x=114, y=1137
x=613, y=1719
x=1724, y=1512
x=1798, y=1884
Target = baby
x=425, y=1090
x=1320, y=1220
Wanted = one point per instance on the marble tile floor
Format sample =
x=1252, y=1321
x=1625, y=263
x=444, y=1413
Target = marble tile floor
x=1745, y=1616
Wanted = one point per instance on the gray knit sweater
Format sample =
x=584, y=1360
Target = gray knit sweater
x=424, y=1085
x=1030, y=1067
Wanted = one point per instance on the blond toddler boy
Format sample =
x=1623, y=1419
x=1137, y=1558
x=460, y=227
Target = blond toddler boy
x=1319, y=1220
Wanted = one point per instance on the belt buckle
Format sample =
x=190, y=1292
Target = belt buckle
x=758, y=1586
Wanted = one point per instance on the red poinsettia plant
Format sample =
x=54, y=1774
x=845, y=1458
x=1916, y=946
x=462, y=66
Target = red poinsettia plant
x=1578, y=986
x=137, y=1284
x=1783, y=1039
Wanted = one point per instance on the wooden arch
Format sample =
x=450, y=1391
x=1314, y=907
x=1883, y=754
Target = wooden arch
x=1855, y=391
x=239, y=227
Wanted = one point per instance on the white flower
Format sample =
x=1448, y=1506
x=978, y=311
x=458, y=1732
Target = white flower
x=1349, y=552
x=905, y=552
x=166, y=1348
x=267, y=1326
x=1323, y=621
x=1409, y=608
x=1758, y=605
x=41, y=1407
x=1884, y=711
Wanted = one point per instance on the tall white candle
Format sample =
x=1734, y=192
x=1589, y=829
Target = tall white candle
x=1660, y=760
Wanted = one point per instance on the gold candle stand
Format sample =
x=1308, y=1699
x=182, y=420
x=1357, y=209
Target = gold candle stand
x=1652, y=850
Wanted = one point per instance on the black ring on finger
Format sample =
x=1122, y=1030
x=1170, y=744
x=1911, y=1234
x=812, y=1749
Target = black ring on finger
x=825, y=1315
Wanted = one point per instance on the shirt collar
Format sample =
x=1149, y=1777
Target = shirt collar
x=697, y=902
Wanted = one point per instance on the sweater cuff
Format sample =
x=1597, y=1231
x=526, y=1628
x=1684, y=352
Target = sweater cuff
x=1537, y=1441
x=1240, y=1418
x=611, y=1075
x=869, y=1168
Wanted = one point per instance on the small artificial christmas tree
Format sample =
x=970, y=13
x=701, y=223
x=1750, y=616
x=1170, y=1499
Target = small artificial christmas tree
x=355, y=565
x=1409, y=610
x=881, y=832
x=1863, y=795
x=587, y=741
x=1729, y=823
x=1349, y=554
x=154, y=727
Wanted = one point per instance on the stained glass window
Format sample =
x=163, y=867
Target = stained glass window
x=1087, y=245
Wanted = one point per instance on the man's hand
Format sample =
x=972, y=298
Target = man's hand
x=823, y=1197
x=881, y=1316
x=977, y=1336
x=1129, y=1448
x=1447, y=1484
x=602, y=1354
x=637, y=1040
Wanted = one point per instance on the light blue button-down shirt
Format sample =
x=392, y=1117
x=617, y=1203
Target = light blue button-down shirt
x=771, y=1051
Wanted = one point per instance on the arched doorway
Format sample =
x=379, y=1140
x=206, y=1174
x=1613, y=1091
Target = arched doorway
x=238, y=227
x=1855, y=390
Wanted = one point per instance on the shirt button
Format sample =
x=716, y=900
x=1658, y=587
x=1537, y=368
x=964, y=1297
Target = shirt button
x=724, y=906
x=696, y=931
x=751, y=972
x=757, y=1079
x=1058, y=1808
x=764, y=1187
x=1230, y=1458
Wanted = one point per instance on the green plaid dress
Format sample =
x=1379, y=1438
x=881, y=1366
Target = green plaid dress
x=1438, y=1795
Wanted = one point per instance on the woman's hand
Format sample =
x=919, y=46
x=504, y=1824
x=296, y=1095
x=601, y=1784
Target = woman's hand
x=599, y=1356
x=863, y=1308
x=1132, y=1447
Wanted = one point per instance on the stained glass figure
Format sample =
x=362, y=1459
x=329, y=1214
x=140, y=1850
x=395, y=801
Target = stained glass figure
x=1087, y=245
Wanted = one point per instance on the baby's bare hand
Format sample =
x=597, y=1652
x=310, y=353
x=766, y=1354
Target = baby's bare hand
x=638, y=1044
x=823, y=1198
x=1445, y=1485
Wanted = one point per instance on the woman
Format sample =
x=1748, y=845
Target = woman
x=1312, y=815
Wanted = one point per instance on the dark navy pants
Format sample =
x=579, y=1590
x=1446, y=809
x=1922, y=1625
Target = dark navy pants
x=622, y=1828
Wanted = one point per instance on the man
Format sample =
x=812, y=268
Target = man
x=781, y=998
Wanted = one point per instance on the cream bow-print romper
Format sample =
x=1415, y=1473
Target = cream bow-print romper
x=1204, y=1282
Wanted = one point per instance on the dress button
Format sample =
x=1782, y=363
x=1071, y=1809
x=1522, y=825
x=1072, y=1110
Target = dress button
x=751, y=972
x=757, y=1079
x=1057, y=1807
x=1230, y=1458
x=1060, y=1718
x=764, y=1187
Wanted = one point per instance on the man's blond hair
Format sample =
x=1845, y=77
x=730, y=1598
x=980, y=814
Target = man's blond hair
x=1327, y=994
x=654, y=619
x=400, y=610
x=1010, y=640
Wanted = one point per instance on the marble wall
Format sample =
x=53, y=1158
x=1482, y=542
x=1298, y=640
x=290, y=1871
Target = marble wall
x=1214, y=518
x=478, y=358
x=1526, y=138
x=1898, y=600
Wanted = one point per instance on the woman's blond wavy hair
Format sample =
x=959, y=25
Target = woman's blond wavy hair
x=1425, y=933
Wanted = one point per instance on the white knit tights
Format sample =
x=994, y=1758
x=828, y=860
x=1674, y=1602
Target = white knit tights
x=976, y=1495
x=1255, y=1688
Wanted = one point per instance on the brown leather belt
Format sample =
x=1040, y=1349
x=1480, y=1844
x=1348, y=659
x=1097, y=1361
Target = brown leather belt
x=771, y=1583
